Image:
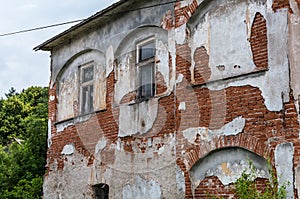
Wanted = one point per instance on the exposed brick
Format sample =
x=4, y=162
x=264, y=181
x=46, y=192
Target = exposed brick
x=201, y=71
x=259, y=42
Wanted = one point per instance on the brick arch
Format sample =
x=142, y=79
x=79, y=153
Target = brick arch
x=245, y=141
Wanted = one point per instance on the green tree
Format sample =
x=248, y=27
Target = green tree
x=23, y=130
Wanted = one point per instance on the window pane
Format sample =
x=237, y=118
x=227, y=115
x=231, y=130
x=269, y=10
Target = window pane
x=146, y=51
x=85, y=94
x=147, y=80
x=87, y=99
x=91, y=107
x=88, y=74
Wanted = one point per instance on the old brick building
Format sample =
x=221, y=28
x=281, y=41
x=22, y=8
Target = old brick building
x=170, y=99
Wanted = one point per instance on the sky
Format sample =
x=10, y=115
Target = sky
x=21, y=66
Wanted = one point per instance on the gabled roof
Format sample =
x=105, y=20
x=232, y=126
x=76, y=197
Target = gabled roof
x=84, y=25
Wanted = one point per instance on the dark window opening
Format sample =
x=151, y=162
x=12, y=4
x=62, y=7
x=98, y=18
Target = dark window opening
x=101, y=191
x=87, y=99
x=147, y=85
x=146, y=51
x=87, y=89
x=146, y=70
x=88, y=74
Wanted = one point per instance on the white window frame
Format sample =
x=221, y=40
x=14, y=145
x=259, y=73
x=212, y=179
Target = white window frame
x=87, y=105
x=145, y=63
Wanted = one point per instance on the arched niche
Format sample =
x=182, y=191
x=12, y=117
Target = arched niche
x=137, y=115
x=223, y=28
x=228, y=164
x=69, y=84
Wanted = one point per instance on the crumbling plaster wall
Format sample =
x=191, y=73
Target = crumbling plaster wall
x=153, y=164
x=69, y=84
x=137, y=174
x=138, y=117
x=224, y=30
x=294, y=50
x=228, y=165
x=131, y=161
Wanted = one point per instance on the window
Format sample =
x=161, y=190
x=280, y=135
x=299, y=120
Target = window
x=87, y=88
x=146, y=69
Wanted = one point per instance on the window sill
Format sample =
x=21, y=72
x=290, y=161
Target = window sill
x=79, y=118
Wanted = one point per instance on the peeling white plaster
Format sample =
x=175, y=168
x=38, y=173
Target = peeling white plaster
x=179, y=78
x=172, y=51
x=274, y=84
x=163, y=57
x=180, y=34
x=284, y=154
x=228, y=165
x=234, y=127
x=181, y=106
x=185, y=3
x=161, y=150
x=212, y=30
x=137, y=118
x=68, y=105
x=68, y=149
x=109, y=60
x=100, y=145
x=294, y=51
x=49, y=138
x=142, y=189
x=66, y=183
x=269, y=5
x=297, y=179
x=51, y=97
x=180, y=182
x=62, y=126
x=229, y=172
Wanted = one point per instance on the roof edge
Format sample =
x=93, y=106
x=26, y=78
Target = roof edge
x=43, y=46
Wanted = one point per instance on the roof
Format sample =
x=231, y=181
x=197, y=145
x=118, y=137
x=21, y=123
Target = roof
x=84, y=25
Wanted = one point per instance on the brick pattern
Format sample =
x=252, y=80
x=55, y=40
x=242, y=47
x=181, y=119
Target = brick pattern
x=182, y=14
x=68, y=136
x=161, y=86
x=263, y=130
x=205, y=108
x=167, y=22
x=202, y=71
x=108, y=119
x=212, y=186
x=279, y=4
x=129, y=97
x=259, y=42
x=183, y=60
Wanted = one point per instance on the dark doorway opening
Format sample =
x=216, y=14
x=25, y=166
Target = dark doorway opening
x=100, y=191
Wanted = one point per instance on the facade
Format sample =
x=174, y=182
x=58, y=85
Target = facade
x=171, y=99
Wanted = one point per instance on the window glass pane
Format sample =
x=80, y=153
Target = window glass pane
x=85, y=94
x=146, y=51
x=91, y=107
x=88, y=74
x=87, y=99
x=147, y=80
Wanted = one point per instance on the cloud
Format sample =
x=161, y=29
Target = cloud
x=20, y=66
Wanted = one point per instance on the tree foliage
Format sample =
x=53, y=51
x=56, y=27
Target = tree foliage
x=23, y=130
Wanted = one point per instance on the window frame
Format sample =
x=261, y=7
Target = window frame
x=89, y=84
x=149, y=61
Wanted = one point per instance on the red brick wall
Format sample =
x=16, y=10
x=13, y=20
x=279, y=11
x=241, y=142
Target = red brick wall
x=278, y=4
x=204, y=108
x=259, y=42
x=201, y=71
